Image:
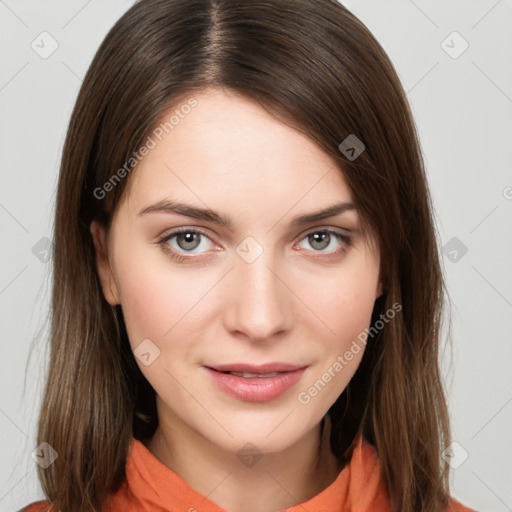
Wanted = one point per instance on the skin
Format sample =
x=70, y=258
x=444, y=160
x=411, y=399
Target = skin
x=230, y=155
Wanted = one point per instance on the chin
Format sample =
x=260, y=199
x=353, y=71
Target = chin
x=270, y=431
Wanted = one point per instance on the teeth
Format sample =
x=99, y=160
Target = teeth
x=252, y=375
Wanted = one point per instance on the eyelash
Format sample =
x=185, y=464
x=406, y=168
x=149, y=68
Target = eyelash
x=345, y=239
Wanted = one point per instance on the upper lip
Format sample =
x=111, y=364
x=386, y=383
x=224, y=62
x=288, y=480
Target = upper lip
x=257, y=369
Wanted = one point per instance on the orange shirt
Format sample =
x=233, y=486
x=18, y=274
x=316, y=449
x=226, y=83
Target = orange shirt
x=152, y=486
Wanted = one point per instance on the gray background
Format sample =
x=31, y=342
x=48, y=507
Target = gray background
x=462, y=104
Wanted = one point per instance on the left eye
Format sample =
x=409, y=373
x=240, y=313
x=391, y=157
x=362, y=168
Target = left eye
x=320, y=240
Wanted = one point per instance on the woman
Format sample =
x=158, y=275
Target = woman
x=247, y=293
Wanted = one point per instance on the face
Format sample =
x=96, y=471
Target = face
x=216, y=271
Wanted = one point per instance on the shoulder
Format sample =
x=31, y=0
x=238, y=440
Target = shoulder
x=456, y=506
x=37, y=506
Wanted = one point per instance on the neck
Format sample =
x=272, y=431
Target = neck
x=282, y=480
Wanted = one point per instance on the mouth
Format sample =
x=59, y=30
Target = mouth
x=256, y=383
x=251, y=370
x=247, y=375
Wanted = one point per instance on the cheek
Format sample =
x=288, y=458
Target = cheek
x=160, y=306
x=342, y=304
x=157, y=300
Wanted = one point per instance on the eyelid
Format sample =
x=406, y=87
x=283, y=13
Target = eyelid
x=331, y=229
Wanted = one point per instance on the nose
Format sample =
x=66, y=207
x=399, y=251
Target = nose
x=260, y=304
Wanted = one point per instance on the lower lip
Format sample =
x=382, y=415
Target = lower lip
x=256, y=389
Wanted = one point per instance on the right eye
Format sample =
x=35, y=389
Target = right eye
x=182, y=241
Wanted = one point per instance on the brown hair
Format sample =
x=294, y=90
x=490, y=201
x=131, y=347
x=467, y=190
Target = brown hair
x=316, y=67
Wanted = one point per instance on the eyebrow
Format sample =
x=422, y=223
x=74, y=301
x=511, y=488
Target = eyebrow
x=167, y=206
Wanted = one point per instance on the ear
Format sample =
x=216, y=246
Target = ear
x=108, y=284
x=379, y=289
x=382, y=284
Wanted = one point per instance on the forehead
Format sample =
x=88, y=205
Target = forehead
x=229, y=153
